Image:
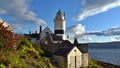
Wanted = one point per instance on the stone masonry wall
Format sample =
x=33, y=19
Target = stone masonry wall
x=85, y=60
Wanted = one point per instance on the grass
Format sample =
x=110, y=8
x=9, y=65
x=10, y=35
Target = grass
x=27, y=55
x=100, y=64
x=93, y=64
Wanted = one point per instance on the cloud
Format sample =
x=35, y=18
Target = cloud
x=86, y=39
x=90, y=7
x=19, y=11
x=84, y=2
x=117, y=38
x=2, y=11
x=75, y=31
x=110, y=32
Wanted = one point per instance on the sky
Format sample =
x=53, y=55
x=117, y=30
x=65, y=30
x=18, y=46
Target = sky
x=86, y=20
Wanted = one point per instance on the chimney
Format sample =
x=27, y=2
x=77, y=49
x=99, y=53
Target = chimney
x=35, y=32
x=40, y=29
x=30, y=35
x=29, y=32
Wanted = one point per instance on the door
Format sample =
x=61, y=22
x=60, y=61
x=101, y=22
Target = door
x=75, y=62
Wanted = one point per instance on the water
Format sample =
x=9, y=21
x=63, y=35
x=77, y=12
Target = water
x=106, y=55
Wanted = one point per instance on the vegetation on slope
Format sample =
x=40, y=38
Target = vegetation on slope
x=26, y=56
x=93, y=64
x=18, y=52
x=100, y=64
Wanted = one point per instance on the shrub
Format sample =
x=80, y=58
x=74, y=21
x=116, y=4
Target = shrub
x=1, y=44
x=24, y=42
x=2, y=66
x=7, y=37
x=37, y=48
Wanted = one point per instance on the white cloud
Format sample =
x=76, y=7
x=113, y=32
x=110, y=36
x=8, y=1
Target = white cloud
x=75, y=31
x=110, y=32
x=2, y=11
x=78, y=31
x=84, y=2
x=117, y=38
x=114, y=39
x=86, y=39
x=19, y=11
x=93, y=7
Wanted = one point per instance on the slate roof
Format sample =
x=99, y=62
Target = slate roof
x=63, y=51
x=34, y=35
x=64, y=44
x=55, y=37
x=83, y=48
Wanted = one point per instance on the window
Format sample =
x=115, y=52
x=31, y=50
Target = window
x=74, y=50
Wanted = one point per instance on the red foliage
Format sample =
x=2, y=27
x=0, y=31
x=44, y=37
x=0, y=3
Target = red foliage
x=7, y=36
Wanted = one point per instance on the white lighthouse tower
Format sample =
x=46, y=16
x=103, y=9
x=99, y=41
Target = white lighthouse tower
x=59, y=24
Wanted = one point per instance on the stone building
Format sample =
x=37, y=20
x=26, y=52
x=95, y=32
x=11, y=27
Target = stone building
x=64, y=50
x=68, y=57
x=36, y=37
x=64, y=53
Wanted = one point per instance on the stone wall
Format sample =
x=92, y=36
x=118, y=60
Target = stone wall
x=85, y=60
x=74, y=56
x=35, y=41
x=60, y=61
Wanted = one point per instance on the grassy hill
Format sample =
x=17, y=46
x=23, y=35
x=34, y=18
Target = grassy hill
x=27, y=55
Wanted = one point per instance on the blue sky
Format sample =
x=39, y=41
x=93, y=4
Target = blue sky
x=88, y=20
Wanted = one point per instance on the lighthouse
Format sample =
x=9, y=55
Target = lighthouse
x=59, y=24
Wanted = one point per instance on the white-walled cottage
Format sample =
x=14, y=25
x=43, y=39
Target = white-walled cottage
x=68, y=58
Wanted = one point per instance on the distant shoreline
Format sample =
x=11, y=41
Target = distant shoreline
x=107, y=45
x=103, y=64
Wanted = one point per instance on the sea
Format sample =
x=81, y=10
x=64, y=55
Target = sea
x=107, y=55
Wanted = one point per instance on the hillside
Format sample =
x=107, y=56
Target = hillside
x=18, y=52
x=108, y=45
x=27, y=55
